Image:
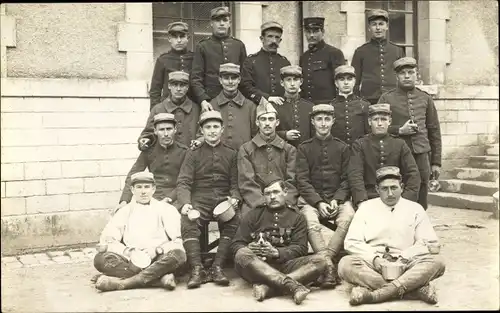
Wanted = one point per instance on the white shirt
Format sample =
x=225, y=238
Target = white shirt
x=139, y=226
x=406, y=230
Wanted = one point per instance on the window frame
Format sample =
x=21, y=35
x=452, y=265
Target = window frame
x=162, y=33
x=385, y=5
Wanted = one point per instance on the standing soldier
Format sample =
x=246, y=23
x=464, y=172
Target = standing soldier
x=185, y=111
x=322, y=165
x=351, y=111
x=295, y=122
x=261, y=71
x=237, y=111
x=319, y=63
x=179, y=58
x=373, y=60
x=377, y=150
x=208, y=177
x=210, y=53
x=415, y=119
x=266, y=154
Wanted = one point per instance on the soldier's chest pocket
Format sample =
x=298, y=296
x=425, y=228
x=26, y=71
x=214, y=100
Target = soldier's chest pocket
x=319, y=66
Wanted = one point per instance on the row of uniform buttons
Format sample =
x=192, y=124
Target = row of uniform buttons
x=382, y=155
x=411, y=112
x=273, y=77
x=382, y=62
x=224, y=50
x=309, y=95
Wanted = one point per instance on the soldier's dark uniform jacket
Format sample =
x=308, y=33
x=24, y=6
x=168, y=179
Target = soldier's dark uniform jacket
x=372, y=152
x=373, y=65
x=257, y=159
x=164, y=163
x=294, y=114
x=209, y=54
x=166, y=63
x=207, y=176
x=261, y=75
x=418, y=106
x=318, y=66
x=322, y=168
x=351, y=118
x=186, y=115
x=284, y=228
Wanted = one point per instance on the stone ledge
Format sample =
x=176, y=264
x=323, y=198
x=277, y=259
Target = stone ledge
x=79, y=88
x=467, y=92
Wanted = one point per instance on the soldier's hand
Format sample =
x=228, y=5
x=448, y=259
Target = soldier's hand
x=255, y=247
x=334, y=208
x=269, y=251
x=435, y=171
x=144, y=143
x=194, y=144
x=233, y=201
x=292, y=134
x=151, y=252
x=276, y=100
x=206, y=106
x=408, y=128
x=378, y=262
x=186, y=208
x=167, y=200
x=324, y=209
x=121, y=205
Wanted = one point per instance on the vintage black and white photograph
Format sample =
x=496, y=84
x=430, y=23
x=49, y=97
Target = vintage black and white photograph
x=250, y=156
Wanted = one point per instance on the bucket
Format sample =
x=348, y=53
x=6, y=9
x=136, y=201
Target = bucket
x=140, y=259
x=224, y=211
x=193, y=215
x=392, y=270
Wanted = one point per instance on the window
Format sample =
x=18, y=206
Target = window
x=195, y=14
x=403, y=23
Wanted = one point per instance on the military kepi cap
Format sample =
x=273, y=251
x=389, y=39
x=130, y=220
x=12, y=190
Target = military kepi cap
x=210, y=115
x=404, y=62
x=314, y=22
x=378, y=13
x=388, y=172
x=383, y=108
x=322, y=108
x=267, y=180
x=271, y=24
x=220, y=11
x=291, y=70
x=142, y=177
x=178, y=76
x=265, y=108
x=177, y=27
x=164, y=117
x=344, y=69
x=229, y=68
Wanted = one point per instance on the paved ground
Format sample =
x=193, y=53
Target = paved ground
x=56, y=282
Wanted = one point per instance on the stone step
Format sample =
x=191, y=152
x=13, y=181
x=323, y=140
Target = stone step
x=478, y=174
x=460, y=201
x=492, y=149
x=484, y=161
x=468, y=187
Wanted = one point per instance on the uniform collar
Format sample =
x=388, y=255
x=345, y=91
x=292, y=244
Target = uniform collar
x=317, y=46
x=293, y=98
x=328, y=138
x=260, y=142
x=268, y=52
x=405, y=91
x=222, y=99
x=186, y=106
x=379, y=41
x=342, y=97
x=219, y=38
x=379, y=137
x=173, y=51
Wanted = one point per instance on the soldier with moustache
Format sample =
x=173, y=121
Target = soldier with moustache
x=319, y=63
x=415, y=119
x=376, y=150
x=210, y=53
x=261, y=71
x=179, y=58
x=373, y=60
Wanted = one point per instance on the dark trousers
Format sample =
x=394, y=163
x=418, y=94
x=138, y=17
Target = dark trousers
x=115, y=265
x=424, y=167
x=245, y=256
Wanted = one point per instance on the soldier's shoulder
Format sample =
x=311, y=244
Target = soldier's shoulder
x=228, y=147
x=363, y=46
x=422, y=92
x=180, y=145
x=238, y=40
x=306, y=102
x=389, y=92
x=306, y=142
x=340, y=141
x=393, y=44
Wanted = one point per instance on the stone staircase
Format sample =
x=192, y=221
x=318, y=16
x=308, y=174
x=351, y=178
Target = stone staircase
x=472, y=187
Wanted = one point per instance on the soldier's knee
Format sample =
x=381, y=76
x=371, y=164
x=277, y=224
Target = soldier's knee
x=178, y=254
x=243, y=257
x=347, y=263
x=318, y=260
x=438, y=263
x=106, y=260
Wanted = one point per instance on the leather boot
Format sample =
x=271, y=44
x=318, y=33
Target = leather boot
x=261, y=291
x=425, y=293
x=316, y=240
x=330, y=277
x=386, y=292
x=359, y=295
x=108, y=283
x=218, y=276
x=168, y=282
x=196, y=277
x=296, y=289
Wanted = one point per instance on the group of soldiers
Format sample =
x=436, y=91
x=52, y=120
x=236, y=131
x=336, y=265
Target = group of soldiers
x=287, y=147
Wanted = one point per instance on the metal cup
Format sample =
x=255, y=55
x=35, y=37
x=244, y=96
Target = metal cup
x=193, y=215
x=392, y=270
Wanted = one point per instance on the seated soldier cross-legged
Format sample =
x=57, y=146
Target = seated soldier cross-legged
x=208, y=176
x=322, y=182
x=392, y=247
x=141, y=245
x=270, y=247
